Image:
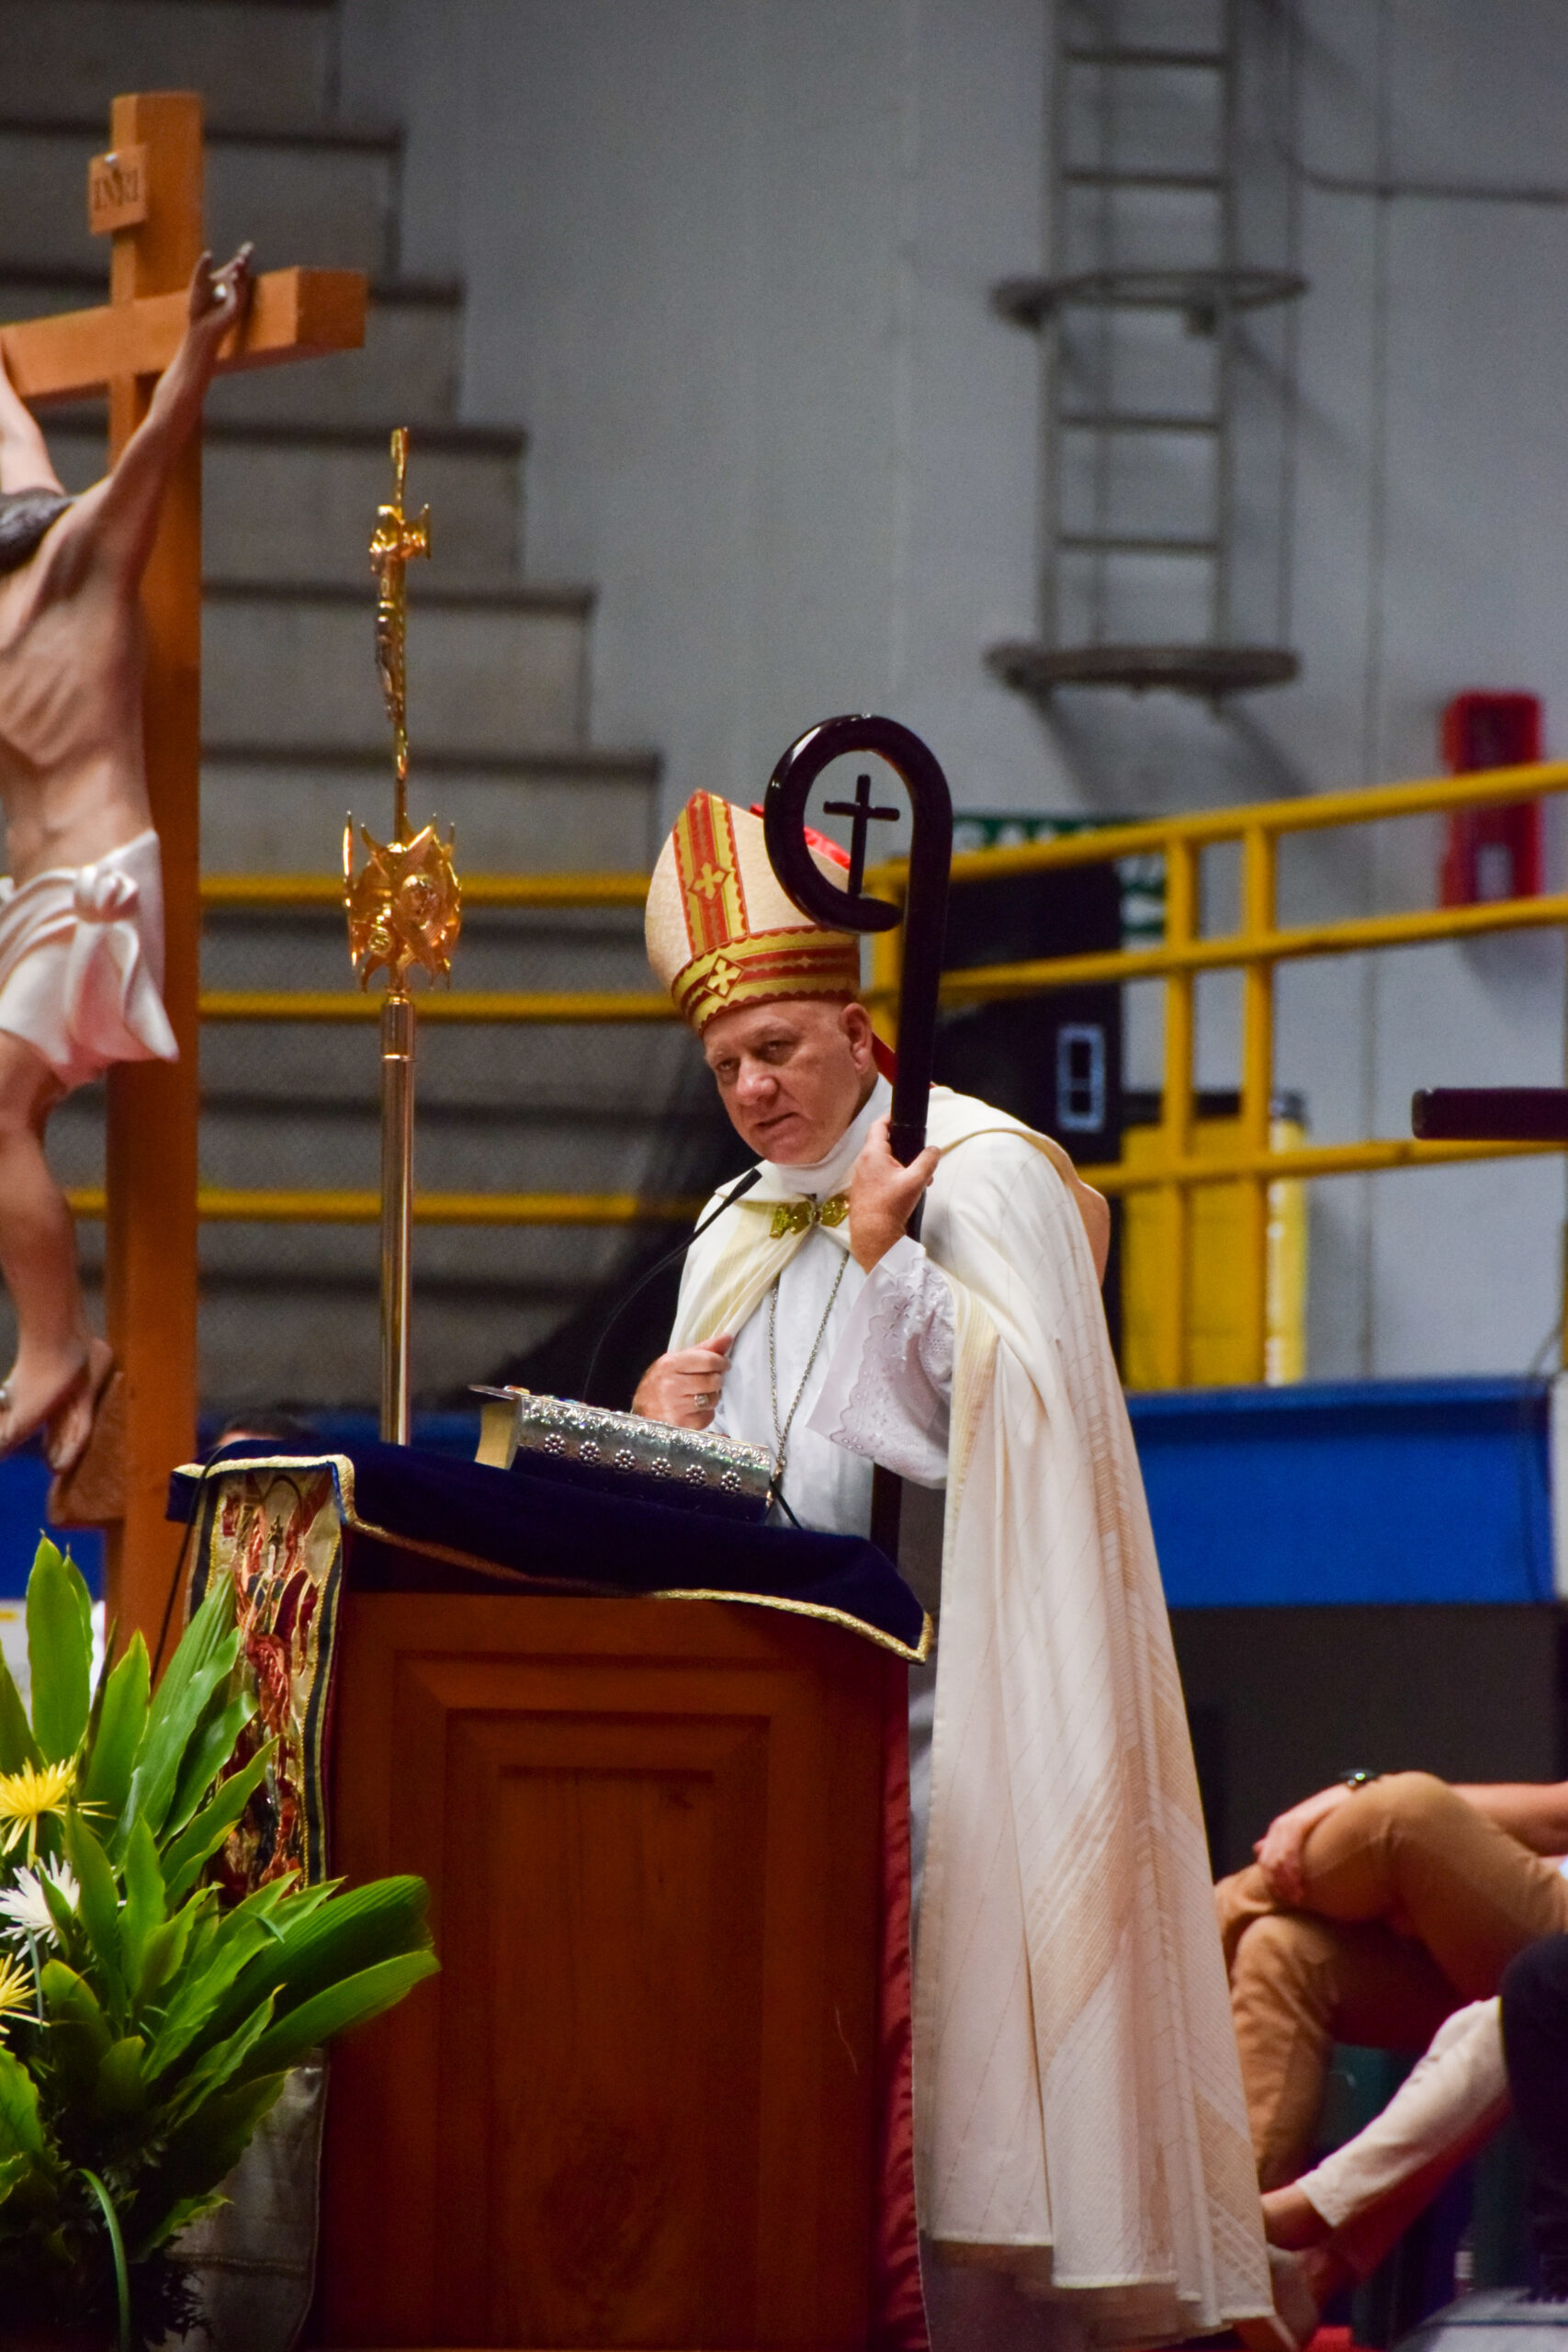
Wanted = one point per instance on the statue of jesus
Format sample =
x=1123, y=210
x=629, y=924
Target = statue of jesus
x=81, y=911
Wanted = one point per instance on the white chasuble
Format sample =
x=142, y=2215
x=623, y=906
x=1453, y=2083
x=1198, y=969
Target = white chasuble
x=1080, y=2131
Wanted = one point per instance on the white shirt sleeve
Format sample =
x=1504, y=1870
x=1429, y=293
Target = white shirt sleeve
x=888, y=1389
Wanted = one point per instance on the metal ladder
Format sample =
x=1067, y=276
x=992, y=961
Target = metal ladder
x=1165, y=461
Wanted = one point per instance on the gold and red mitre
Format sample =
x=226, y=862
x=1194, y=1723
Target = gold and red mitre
x=721, y=930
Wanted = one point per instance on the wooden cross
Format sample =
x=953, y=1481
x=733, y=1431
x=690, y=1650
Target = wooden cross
x=148, y=194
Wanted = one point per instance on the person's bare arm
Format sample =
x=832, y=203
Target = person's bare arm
x=24, y=453
x=127, y=519
x=1535, y=1812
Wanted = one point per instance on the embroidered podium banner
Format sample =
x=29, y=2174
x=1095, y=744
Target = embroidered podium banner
x=275, y=1530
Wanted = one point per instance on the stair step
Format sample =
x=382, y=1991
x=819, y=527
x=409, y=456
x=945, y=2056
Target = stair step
x=324, y=198
x=271, y=60
x=574, y=810
x=575, y=948
x=294, y=502
x=517, y=1110
x=338, y=1149
x=289, y=1313
x=407, y=372
x=490, y=671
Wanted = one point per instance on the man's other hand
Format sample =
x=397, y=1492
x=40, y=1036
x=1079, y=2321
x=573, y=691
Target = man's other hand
x=883, y=1196
x=1279, y=1848
x=221, y=296
x=684, y=1387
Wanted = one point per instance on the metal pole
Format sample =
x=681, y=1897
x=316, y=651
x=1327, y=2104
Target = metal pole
x=397, y=1033
x=404, y=907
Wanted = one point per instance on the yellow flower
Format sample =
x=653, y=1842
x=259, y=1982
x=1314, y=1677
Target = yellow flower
x=28, y=1795
x=15, y=1992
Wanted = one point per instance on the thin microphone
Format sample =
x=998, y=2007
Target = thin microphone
x=752, y=1176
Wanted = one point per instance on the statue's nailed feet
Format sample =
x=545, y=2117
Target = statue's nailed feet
x=71, y=1423
x=61, y=1398
x=57, y=1394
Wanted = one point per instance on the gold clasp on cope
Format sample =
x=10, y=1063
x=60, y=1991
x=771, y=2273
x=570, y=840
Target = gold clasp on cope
x=799, y=1217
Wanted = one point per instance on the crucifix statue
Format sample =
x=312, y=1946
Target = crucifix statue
x=168, y=316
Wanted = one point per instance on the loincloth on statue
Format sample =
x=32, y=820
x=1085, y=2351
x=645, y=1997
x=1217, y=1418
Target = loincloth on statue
x=81, y=963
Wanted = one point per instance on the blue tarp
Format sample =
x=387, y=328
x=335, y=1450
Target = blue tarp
x=1396, y=1491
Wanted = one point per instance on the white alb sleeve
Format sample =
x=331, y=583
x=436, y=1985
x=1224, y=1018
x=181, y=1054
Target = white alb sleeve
x=888, y=1389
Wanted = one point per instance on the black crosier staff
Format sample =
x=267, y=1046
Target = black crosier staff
x=924, y=918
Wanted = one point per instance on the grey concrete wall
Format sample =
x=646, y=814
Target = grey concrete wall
x=728, y=263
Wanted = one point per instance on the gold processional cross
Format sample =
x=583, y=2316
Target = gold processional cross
x=404, y=907
x=146, y=194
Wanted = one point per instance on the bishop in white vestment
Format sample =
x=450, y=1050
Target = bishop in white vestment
x=1083, y=2166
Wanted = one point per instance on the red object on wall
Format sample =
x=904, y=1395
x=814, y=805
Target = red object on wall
x=1492, y=852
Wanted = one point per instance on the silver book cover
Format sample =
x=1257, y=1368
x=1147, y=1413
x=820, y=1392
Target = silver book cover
x=515, y=1421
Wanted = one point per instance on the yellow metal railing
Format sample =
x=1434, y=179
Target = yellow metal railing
x=1174, y=1170
x=1173, y=1167
x=228, y=1204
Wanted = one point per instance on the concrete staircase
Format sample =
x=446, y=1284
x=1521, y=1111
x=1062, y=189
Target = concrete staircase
x=499, y=667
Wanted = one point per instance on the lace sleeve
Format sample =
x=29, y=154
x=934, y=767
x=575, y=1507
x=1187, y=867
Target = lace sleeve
x=889, y=1386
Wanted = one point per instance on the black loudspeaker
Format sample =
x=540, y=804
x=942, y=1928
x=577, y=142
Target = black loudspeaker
x=1054, y=1061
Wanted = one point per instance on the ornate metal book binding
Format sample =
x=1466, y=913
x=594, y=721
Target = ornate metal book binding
x=622, y=1453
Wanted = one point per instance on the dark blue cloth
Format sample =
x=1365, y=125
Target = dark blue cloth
x=577, y=1536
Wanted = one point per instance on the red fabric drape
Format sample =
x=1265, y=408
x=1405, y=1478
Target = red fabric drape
x=898, y=2304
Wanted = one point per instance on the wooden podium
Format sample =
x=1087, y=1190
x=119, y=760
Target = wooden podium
x=639, y=2106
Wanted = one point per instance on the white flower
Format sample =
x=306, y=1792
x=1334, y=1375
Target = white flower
x=23, y=1907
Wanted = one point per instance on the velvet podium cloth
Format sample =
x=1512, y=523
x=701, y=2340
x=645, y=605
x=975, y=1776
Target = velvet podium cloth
x=277, y=1524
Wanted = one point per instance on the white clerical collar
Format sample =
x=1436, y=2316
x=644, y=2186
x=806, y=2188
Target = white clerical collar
x=831, y=1172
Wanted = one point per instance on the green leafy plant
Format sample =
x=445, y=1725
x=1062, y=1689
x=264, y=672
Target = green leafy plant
x=146, y=2026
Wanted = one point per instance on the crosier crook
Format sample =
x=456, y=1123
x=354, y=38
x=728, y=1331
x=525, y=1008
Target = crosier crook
x=924, y=919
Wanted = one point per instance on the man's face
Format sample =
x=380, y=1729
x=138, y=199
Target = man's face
x=791, y=1076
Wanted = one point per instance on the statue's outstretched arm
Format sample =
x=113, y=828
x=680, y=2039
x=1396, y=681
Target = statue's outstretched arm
x=128, y=516
x=24, y=454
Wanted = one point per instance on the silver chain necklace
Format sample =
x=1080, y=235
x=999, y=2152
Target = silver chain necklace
x=781, y=1436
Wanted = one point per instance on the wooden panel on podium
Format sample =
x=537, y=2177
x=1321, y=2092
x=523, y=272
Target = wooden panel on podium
x=637, y=2108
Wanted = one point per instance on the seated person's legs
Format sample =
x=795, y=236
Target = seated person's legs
x=1535, y=2037
x=1346, y=2215
x=1298, y=1986
x=1409, y=1851
x=1408, y=1898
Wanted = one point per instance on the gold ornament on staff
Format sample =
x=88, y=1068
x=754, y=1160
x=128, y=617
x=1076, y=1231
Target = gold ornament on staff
x=404, y=907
